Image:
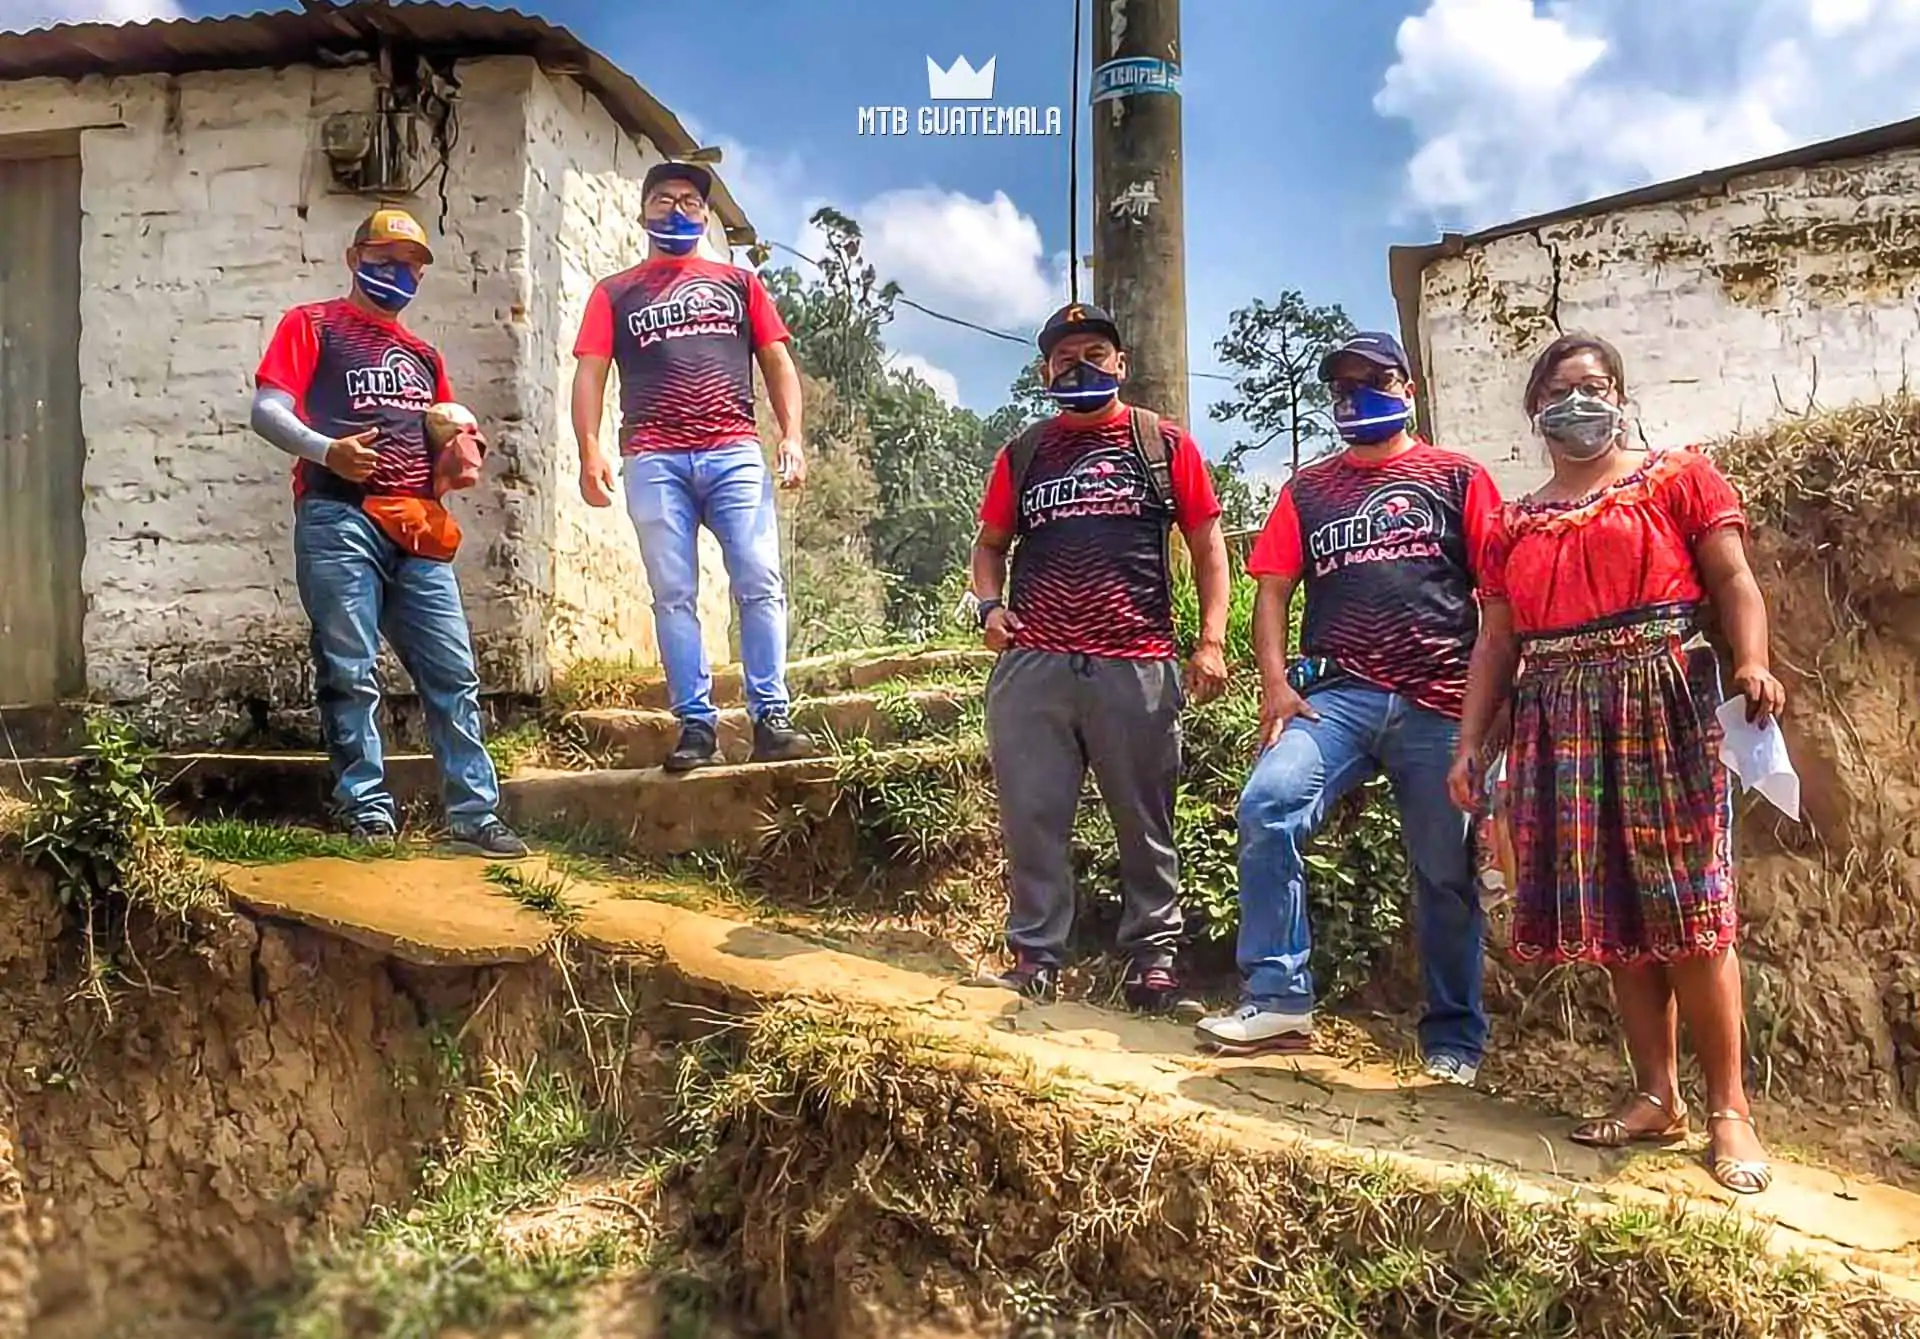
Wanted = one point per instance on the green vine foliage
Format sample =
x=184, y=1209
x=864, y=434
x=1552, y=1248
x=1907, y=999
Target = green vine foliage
x=100, y=833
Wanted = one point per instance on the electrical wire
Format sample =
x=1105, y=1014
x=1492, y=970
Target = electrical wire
x=1073, y=168
x=961, y=320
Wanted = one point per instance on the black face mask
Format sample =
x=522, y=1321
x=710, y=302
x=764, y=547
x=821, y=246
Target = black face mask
x=1084, y=387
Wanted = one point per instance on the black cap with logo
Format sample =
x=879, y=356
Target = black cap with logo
x=1376, y=346
x=1078, y=318
x=698, y=177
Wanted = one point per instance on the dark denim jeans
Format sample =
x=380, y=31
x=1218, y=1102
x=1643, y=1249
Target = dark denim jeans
x=1362, y=731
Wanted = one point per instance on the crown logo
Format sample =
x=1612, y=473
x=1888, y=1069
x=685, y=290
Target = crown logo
x=962, y=83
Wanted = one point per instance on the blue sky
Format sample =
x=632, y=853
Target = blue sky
x=1317, y=132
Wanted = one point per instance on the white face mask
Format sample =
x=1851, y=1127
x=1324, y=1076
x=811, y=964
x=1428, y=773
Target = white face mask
x=1581, y=425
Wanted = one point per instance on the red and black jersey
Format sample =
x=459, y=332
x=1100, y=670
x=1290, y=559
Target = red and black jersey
x=683, y=331
x=349, y=370
x=1090, y=553
x=1389, y=552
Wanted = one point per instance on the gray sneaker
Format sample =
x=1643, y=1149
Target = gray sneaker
x=491, y=837
x=1452, y=1069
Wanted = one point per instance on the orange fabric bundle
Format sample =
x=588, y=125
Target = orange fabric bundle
x=419, y=525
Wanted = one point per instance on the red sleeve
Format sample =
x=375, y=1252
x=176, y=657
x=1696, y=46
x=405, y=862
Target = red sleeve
x=1194, y=501
x=1489, y=556
x=763, y=316
x=1481, y=521
x=442, y=388
x=997, y=509
x=291, y=356
x=1700, y=500
x=1277, y=552
x=596, y=326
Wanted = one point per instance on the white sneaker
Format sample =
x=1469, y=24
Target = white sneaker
x=1452, y=1069
x=1250, y=1029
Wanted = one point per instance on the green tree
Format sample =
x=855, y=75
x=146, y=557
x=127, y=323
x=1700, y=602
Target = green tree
x=836, y=318
x=1276, y=349
x=926, y=459
x=930, y=461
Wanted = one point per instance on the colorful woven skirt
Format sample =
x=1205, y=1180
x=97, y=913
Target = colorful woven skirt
x=1622, y=815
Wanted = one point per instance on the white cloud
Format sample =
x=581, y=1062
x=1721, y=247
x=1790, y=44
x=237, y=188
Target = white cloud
x=980, y=259
x=20, y=15
x=942, y=382
x=1520, y=106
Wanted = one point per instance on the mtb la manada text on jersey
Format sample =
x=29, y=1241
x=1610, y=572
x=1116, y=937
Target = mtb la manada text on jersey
x=972, y=120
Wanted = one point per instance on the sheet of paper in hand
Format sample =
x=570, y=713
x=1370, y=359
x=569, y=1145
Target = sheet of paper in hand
x=1757, y=754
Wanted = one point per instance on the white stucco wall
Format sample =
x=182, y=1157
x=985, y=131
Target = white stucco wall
x=207, y=212
x=584, y=223
x=1785, y=287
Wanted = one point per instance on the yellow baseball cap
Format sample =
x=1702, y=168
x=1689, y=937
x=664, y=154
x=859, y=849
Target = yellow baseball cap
x=389, y=227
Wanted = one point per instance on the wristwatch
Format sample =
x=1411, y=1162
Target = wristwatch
x=986, y=608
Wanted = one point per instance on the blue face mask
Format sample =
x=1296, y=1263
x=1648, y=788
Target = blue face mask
x=1083, y=387
x=1367, y=416
x=677, y=234
x=388, y=284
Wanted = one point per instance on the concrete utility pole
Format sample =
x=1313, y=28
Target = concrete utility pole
x=1139, y=229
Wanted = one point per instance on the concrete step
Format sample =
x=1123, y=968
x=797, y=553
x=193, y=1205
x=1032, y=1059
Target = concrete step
x=824, y=677
x=641, y=738
x=651, y=812
x=256, y=786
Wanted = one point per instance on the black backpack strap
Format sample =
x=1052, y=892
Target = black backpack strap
x=1020, y=453
x=1151, y=443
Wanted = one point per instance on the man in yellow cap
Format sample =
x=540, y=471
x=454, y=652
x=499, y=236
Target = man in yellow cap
x=344, y=388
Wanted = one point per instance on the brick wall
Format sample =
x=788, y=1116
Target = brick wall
x=1785, y=288
x=583, y=223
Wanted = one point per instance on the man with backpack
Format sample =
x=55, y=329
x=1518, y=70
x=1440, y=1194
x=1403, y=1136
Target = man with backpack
x=1088, y=675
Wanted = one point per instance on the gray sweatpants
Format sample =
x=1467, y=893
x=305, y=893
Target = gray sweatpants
x=1049, y=718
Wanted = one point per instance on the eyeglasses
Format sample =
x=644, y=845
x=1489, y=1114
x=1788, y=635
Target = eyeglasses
x=687, y=203
x=1596, y=385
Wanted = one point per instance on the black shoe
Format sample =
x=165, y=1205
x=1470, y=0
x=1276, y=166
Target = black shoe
x=775, y=739
x=698, y=747
x=1156, y=990
x=1034, y=980
x=493, y=838
x=372, y=831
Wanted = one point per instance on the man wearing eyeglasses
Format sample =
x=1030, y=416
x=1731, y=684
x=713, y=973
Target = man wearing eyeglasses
x=685, y=332
x=1386, y=537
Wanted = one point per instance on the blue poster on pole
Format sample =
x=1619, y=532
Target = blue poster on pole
x=1134, y=74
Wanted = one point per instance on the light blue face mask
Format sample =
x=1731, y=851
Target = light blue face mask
x=388, y=284
x=1084, y=387
x=677, y=234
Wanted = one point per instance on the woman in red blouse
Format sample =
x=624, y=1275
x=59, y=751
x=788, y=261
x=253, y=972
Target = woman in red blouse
x=1621, y=812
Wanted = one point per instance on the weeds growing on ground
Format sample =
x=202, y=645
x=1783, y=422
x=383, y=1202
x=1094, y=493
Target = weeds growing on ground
x=818, y=1152
x=545, y=893
x=448, y=1261
x=101, y=833
x=240, y=843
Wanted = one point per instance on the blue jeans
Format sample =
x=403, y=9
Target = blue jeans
x=1363, y=730
x=357, y=584
x=728, y=489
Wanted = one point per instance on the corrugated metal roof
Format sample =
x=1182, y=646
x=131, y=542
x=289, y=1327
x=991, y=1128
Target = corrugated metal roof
x=335, y=34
